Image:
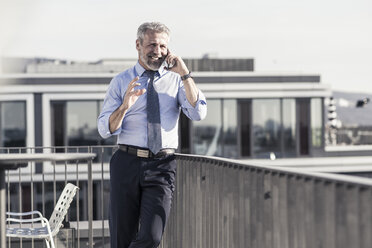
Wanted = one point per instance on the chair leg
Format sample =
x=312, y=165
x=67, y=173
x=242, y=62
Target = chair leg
x=47, y=243
x=51, y=240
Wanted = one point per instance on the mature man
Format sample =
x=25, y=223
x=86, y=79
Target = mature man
x=142, y=106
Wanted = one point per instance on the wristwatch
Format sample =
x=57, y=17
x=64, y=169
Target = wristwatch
x=184, y=77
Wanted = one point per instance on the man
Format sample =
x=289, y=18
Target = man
x=142, y=106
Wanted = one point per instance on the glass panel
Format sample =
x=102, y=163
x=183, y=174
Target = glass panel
x=13, y=124
x=184, y=133
x=266, y=127
x=245, y=110
x=81, y=122
x=230, y=146
x=316, y=122
x=303, y=106
x=289, y=127
x=59, y=123
x=75, y=123
x=206, y=139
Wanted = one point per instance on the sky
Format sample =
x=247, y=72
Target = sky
x=331, y=38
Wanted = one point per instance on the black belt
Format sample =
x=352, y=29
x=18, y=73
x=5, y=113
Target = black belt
x=146, y=153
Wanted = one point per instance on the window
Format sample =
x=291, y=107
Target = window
x=81, y=123
x=13, y=124
x=245, y=116
x=230, y=127
x=303, y=110
x=289, y=127
x=266, y=127
x=216, y=135
x=316, y=122
x=184, y=134
x=207, y=134
x=75, y=123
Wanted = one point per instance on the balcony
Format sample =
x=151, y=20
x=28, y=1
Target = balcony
x=217, y=203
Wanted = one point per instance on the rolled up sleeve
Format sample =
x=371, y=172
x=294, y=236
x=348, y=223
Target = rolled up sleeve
x=197, y=113
x=111, y=103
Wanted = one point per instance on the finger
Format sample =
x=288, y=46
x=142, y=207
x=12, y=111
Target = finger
x=134, y=80
x=171, y=60
x=139, y=92
x=131, y=87
x=167, y=57
x=131, y=84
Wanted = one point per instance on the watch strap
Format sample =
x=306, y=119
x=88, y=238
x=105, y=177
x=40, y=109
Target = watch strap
x=184, y=77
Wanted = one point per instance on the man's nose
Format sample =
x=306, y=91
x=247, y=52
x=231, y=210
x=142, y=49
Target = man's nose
x=157, y=50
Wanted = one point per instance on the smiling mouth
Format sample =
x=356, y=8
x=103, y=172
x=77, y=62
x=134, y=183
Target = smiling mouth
x=155, y=58
x=156, y=61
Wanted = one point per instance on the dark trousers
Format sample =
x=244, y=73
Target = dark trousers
x=140, y=199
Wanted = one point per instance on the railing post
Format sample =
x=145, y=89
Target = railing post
x=90, y=204
x=2, y=208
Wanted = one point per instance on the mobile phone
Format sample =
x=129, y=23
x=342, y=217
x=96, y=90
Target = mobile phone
x=168, y=66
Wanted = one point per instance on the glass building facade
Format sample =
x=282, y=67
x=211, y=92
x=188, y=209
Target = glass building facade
x=13, y=126
x=233, y=128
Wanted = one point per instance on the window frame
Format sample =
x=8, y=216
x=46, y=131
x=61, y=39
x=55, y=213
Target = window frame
x=48, y=98
x=30, y=113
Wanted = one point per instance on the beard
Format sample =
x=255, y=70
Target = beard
x=149, y=61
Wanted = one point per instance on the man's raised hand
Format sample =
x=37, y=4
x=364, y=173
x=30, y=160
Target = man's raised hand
x=132, y=95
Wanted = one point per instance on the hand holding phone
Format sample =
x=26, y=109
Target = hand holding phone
x=170, y=62
x=175, y=64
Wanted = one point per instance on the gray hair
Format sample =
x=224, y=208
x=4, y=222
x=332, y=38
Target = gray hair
x=153, y=26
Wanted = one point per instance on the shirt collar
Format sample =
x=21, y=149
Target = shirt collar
x=140, y=70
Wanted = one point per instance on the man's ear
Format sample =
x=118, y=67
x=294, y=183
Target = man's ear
x=137, y=44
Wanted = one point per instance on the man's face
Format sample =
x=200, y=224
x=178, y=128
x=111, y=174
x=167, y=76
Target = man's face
x=153, y=50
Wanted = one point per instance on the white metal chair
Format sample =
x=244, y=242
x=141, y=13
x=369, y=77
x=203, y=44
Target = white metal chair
x=44, y=229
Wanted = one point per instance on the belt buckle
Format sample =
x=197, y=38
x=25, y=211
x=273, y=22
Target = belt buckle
x=143, y=153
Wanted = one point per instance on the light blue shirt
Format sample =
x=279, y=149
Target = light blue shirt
x=172, y=98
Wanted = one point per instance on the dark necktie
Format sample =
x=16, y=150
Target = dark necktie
x=153, y=116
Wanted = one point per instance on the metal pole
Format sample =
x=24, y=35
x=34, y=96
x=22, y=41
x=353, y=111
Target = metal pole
x=102, y=200
x=2, y=209
x=90, y=204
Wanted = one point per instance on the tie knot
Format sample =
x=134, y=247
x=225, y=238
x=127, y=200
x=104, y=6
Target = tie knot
x=150, y=73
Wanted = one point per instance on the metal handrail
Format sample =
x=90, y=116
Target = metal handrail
x=217, y=199
x=12, y=158
x=290, y=171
